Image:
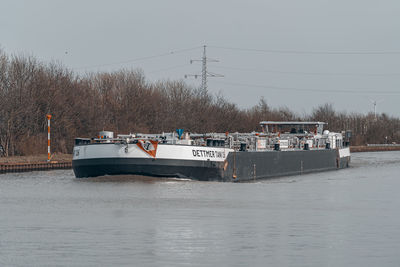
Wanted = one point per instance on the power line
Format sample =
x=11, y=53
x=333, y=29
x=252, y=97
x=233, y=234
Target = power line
x=308, y=73
x=140, y=58
x=169, y=68
x=342, y=91
x=278, y=51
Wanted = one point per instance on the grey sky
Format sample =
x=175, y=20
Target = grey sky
x=82, y=34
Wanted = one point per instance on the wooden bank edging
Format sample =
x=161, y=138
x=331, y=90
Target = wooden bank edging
x=374, y=148
x=37, y=166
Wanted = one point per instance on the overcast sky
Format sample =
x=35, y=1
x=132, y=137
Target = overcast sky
x=297, y=54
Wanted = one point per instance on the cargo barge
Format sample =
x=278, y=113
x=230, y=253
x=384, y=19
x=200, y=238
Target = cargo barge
x=280, y=149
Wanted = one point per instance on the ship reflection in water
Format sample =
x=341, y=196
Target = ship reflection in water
x=338, y=218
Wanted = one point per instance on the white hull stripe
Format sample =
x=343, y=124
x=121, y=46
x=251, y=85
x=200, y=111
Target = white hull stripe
x=164, y=151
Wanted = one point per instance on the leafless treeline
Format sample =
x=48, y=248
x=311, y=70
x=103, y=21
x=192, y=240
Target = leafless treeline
x=124, y=102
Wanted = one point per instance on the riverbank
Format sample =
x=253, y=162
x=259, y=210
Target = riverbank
x=35, y=163
x=64, y=161
x=58, y=157
x=374, y=148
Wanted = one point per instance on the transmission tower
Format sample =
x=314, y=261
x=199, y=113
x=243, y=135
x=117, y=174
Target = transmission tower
x=204, y=72
x=375, y=103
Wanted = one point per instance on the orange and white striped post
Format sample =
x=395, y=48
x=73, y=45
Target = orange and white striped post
x=48, y=137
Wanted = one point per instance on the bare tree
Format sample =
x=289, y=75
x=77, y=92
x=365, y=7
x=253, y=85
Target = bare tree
x=124, y=101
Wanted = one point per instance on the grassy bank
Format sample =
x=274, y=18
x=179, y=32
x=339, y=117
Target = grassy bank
x=59, y=157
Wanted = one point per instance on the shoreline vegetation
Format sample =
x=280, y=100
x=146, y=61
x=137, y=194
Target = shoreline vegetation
x=125, y=101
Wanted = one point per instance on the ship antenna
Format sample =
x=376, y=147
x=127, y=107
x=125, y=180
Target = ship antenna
x=204, y=72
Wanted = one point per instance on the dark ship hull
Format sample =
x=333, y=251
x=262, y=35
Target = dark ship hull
x=245, y=166
x=238, y=166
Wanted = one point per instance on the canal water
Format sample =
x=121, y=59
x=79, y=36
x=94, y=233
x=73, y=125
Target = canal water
x=349, y=217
